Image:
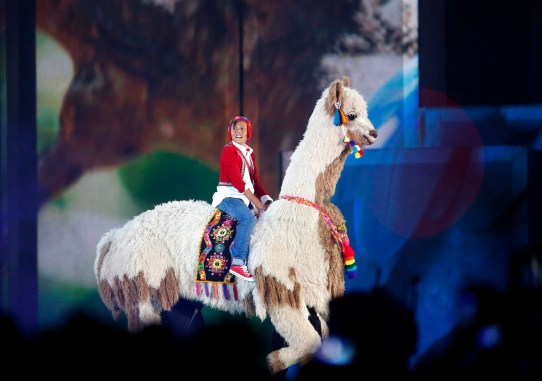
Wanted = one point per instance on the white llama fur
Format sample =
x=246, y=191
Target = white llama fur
x=289, y=248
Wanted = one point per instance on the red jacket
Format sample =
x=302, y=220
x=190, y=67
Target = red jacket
x=232, y=168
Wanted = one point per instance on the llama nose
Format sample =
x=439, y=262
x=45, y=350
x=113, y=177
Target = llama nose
x=374, y=133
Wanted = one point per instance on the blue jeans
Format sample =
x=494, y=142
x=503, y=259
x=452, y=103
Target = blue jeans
x=237, y=208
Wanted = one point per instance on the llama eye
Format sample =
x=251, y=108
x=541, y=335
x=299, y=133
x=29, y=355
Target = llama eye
x=352, y=116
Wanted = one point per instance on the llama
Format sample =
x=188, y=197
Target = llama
x=149, y=264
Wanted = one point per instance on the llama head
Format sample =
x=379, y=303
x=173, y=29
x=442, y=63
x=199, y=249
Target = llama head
x=351, y=106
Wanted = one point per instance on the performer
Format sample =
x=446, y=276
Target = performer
x=239, y=190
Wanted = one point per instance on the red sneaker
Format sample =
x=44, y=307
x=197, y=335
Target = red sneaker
x=242, y=272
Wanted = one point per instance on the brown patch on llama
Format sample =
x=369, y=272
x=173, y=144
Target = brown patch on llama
x=249, y=306
x=168, y=293
x=275, y=293
x=335, y=275
x=325, y=189
x=108, y=297
x=128, y=292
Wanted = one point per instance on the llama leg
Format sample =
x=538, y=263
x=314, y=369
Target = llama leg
x=319, y=324
x=278, y=342
x=147, y=314
x=299, y=335
x=184, y=319
x=315, y=320
x=324, y=327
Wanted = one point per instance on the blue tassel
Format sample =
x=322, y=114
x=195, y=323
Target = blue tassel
x=337, y=119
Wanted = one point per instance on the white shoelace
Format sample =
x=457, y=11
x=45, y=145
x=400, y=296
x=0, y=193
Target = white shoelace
x=244, y=268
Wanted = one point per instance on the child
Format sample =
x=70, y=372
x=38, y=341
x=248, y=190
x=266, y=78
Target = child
x=239, y=187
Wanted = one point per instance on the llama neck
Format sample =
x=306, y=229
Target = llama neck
x=318, y=160
x=327, y=181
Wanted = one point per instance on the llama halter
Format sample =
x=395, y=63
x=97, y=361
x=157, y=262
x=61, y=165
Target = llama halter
x=337, y=232
x=340, y=120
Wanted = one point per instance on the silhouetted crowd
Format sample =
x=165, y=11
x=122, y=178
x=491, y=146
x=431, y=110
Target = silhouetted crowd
x=372, y=336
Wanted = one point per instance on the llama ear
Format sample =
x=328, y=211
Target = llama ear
x=346, y=81
x=335, y=94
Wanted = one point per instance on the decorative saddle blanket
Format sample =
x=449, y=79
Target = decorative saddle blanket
x=215, y=255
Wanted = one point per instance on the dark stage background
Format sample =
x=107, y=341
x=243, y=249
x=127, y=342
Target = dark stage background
x=107, y=106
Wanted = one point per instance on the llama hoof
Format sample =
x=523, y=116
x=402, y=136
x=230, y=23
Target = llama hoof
x=274, y=363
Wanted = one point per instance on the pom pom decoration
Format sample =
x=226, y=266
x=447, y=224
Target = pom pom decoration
x=350, y=266
x=358, y=151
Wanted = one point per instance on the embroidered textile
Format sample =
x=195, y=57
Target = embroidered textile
x=212, y=273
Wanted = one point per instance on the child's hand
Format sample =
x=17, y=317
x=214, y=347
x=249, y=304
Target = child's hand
x=260, y=209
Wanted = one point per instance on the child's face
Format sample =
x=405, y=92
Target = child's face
x=239, y=133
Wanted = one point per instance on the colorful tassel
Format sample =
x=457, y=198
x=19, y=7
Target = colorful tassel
x=359, y=152
x=344, y=120
x=351, y=273
x=225, y=291
x=337, y=119
x=350, y=266
x=215, y=290
x=234, y=292
x=348, y=253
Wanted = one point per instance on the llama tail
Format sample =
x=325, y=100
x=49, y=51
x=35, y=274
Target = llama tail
x=104, y=289
x=101, y=251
